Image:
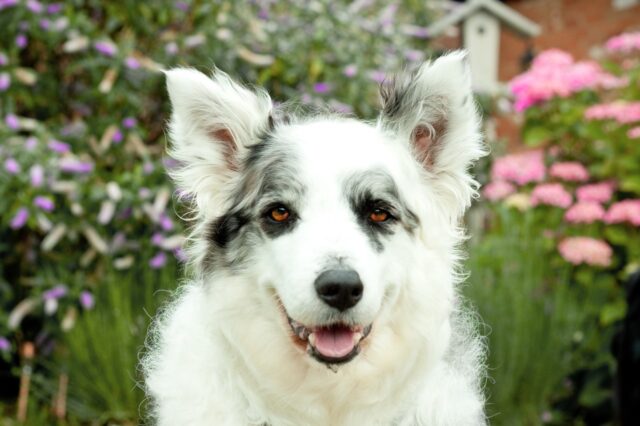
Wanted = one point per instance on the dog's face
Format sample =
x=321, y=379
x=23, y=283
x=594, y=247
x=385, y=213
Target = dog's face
x=327, y=215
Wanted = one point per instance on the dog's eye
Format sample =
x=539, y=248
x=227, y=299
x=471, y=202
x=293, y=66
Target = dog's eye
x=379, y=215
x=279, y=214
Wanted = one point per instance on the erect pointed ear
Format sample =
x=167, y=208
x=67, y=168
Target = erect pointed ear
x=213, y=121
x=433, y=111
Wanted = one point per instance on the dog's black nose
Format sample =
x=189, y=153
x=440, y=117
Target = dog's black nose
x=339, y=288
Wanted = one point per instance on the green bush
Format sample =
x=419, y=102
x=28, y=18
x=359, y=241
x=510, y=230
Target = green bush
x=574, y=203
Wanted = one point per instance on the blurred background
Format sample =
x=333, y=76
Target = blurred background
x=90, y=236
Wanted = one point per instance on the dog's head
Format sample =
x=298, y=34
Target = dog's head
x=342, y=226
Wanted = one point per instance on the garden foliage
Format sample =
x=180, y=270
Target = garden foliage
x=578, y=193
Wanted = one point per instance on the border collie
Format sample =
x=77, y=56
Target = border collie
x=325, y=257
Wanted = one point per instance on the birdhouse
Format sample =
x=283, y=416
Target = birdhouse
x=481, y=22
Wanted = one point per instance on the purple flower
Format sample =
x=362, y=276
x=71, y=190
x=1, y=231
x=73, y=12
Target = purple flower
x=414, y=55
x=350, y=70
x=37, y=175
x=377, y=76
x=55, y=293
x=86, y=300
x=34, y=6
x=5, y=81
x=157, y=238
x=71, y=165
x=166, y=223
x=144, y=193
x=158, y=261
x=44, y=203
x=30, y=143
x=418, y=32
x=12, y=121
x=171, y=48
x=183, y=6
x=20, y=218
x=5, y=4
x=129, y=122
x=117, y=136
x=322, y=87
x=54, y=8
x=180, y=255
x=170, y=163
x=12, y=166
x=106, y=48
x=5, y=345
x=21, y=41
x=148, y=168
x=132, y=63
x=3, y=59
x=45, y=24
x=58, y=146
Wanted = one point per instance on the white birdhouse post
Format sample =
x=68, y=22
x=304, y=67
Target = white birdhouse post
x=481, y=22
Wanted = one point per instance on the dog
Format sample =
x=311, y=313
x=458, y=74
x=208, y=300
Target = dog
x=325, y=259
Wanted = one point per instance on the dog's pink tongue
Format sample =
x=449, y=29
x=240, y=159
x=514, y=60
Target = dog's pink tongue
x=334, y=342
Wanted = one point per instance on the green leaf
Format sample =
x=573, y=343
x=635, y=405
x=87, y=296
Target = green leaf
x=616, y=235
x=631, y=184
x=612, y=312
x=536, y=135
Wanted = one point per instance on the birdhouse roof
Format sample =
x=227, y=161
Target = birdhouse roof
x=517, y=22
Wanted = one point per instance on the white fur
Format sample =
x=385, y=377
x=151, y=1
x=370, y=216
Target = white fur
x=221, y=353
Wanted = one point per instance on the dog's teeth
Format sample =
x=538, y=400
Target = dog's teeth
x=357, y=337
x=312, y=339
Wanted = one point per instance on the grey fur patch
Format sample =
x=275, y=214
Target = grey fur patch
x=267, y=178
x=374, y=189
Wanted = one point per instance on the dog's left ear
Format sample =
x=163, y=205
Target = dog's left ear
x=433, y=111
x=214, y=120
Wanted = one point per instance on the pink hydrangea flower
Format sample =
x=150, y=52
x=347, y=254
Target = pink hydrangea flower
x=497, y=190
x=584, y=212
x=634, y=133
x=554, y=73
x=624, y=211
x=552, y=194
x=570, y=171
x=519, y=168
x=620, y=111
x=586, y=250
x=624, y=43
x=596, y=192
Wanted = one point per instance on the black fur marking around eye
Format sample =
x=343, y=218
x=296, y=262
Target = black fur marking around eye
x=226, y=228
x=367, y=191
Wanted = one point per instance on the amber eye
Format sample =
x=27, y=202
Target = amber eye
x=279, y=214
x=379, y=215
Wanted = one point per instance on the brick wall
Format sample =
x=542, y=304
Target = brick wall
x=575, y=26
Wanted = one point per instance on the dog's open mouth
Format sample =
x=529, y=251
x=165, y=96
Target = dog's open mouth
x=331, y=344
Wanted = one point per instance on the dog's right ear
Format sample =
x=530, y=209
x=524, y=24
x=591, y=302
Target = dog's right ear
x=213, y=121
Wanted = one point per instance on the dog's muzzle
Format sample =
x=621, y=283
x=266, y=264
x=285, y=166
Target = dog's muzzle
x=331, y=344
